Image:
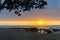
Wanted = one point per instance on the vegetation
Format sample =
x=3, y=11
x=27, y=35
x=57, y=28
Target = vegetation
x=22, y=5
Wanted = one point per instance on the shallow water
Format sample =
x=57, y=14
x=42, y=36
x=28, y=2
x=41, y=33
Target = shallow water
x=44, y=27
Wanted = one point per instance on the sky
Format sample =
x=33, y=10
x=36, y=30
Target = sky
x=51, y=12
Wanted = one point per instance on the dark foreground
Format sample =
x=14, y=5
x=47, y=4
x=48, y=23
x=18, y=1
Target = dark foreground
x=21, y=34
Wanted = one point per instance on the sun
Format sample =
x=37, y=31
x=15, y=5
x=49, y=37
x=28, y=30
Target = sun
x=40, y=22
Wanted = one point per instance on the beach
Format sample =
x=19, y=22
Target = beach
x=21, y=34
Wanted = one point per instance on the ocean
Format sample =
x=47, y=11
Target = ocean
x=39, y=27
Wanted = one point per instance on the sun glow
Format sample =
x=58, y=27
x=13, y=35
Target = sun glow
x=35, y=23
x=40, y=22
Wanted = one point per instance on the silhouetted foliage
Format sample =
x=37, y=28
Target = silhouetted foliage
x=22, y=5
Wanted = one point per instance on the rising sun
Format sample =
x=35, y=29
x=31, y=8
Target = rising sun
x=40, y=22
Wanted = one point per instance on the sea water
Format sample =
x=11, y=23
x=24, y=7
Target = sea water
x=39, y=27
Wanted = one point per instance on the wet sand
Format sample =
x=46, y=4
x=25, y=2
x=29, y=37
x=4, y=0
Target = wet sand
x=21, y=34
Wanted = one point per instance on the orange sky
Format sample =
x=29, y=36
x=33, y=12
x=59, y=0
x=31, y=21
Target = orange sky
x=29, y=23
x=50, y=15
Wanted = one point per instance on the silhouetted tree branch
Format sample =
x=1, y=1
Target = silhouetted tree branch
x=19, y=5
